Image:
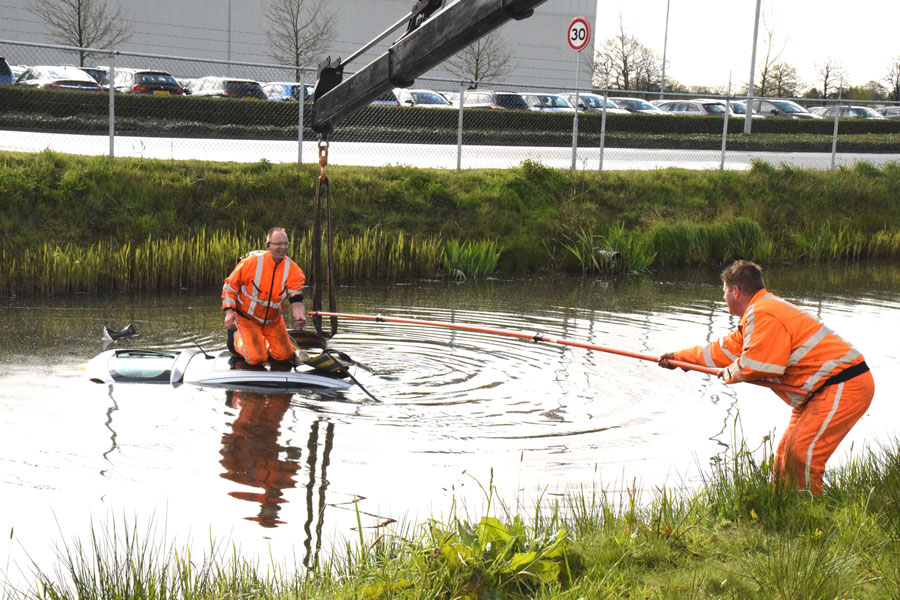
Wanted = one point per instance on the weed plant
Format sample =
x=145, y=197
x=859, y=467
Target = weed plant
x=739, y=535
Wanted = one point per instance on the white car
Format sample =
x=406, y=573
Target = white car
x=421, y=98
x=548, y=103
x=594, y=103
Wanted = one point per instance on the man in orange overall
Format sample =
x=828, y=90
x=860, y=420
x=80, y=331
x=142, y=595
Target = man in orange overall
x=776, y=341
x=252, y=297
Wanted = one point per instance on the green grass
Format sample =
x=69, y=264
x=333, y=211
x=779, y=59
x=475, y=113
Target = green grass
x=739, y=535
x=394, y=222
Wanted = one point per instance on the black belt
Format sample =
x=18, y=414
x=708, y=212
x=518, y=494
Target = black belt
x=845, y=375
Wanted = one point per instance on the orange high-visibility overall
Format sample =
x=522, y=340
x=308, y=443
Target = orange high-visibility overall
x=777, y=341
x=255, y=290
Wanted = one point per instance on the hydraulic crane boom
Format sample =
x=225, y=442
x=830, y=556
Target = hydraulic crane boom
x=424, y=46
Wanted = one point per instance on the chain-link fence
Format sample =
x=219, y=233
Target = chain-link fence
x=442, y=123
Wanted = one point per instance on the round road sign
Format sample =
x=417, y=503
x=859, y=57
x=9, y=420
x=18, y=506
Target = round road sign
x=579, y=34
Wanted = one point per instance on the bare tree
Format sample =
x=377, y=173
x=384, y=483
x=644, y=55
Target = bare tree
x=831, y=74
x=627, y=63
x=774, y=51
x=893, y=79
x=486, y=59
x=83, y=23
x=785, y=82
x=299, y=31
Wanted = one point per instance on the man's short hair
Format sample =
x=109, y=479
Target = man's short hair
x=273, y=230
x=747, y=276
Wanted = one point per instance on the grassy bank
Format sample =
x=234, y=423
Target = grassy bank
x=141, y=217
x=739, y=535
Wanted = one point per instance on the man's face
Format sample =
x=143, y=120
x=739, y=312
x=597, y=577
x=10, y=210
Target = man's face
x=733, y=299
x=278, y=246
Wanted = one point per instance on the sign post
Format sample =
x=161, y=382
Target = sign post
x=578, y=36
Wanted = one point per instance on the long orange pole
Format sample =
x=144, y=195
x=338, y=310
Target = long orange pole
x=536, y=337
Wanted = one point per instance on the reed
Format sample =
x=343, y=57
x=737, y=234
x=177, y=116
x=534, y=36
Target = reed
x=471, y=259
x=204, y=259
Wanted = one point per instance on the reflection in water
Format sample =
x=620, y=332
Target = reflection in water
x=251, y=453
x=108, y=425
x=252, y=456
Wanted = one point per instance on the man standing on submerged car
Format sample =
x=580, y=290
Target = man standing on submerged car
x=252, y=299
x=777, y=341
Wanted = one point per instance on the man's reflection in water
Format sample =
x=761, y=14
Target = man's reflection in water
x=252, y=455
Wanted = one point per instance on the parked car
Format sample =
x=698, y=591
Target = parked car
x=696, y=108
x=57, y=78
x=17, y=70
x=421, y=98
x=849, y=112
x=548, y=103
x=285, y=91
x=228, y=87
x=98, y=73
x=782, y=108
x=638, y=106
x=479, y=98
x=6, y=74
x=890, y=112
x=388, y=98
x=145, y=81
x=594, y=103
x=739, y=108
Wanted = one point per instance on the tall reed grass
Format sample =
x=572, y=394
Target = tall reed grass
x=206, y=258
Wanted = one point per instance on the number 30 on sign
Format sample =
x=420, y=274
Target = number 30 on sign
x=579, y=34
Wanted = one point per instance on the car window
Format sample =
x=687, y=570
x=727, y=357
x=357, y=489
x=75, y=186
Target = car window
x=512, y=101
x=155, y=78
x=428, y=98
x=715, y=108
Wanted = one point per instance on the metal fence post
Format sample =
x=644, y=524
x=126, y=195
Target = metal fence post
x=725, y=124
x=837, y=117
x=112, y=104
x=459, y=125
x=603, y=123
x=302, y=103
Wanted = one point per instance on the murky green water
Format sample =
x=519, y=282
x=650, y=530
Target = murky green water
x=280, y=473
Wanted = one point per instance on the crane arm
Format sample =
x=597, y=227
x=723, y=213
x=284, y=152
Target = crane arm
x=425, y=45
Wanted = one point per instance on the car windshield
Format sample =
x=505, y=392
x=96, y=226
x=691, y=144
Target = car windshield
x=156, y=78
x=428, y=98
x=715, y=108
x=555, y=102
x=512, y=101
x=866, y=112
x=789, y=107
x=739, y=108
x=637, y=104
x=244, y=88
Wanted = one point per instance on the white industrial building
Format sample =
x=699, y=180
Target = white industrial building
x=200, y=28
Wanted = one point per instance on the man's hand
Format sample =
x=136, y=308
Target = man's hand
x=230, y=320
x=298, y=311
x=664, y=360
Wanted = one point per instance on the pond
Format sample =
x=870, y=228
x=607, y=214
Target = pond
x=289, y=475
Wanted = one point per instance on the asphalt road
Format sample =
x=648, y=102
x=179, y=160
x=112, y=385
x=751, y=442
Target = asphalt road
x=419, y=155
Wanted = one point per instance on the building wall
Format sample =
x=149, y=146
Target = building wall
x=200, y=28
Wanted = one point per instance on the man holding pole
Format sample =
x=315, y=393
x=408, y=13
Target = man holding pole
x=777, y=341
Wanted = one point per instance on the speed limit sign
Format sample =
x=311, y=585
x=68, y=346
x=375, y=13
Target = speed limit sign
x=579, y=34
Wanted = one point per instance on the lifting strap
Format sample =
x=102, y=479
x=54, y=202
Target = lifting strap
x=322, y=186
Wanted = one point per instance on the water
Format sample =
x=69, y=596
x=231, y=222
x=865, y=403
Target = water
x=285, y=474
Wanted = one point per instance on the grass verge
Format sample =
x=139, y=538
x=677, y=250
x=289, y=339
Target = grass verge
x=740, y=535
